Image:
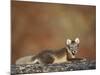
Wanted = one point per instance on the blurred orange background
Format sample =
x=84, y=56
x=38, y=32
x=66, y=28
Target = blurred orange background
x=38, y=26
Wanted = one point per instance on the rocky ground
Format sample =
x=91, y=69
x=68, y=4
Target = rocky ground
x=37, y=68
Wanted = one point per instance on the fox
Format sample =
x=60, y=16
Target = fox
x=66, y=54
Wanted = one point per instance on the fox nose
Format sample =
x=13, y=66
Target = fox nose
x=74, y=52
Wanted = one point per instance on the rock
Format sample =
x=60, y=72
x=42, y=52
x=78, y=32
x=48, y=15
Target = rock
x=38, y=68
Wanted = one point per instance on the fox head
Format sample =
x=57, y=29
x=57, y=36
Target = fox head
x=73, y=45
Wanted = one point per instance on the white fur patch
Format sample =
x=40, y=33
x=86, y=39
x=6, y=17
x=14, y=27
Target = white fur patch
x=60, y=60
x=68, y=41
x=36, y=60
x=24, y=60
x=77, y=40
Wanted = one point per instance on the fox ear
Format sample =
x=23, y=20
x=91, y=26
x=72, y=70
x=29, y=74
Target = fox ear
x=77, y=40
x=68, y=41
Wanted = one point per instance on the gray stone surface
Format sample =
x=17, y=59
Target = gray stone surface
x=38, y=68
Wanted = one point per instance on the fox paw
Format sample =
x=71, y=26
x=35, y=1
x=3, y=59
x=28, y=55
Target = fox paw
x=84, y=59
x=69, y=62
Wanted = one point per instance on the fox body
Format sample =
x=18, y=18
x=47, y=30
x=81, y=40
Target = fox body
x=65, y=54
